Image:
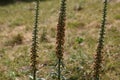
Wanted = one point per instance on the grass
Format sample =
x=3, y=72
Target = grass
x=18, y=18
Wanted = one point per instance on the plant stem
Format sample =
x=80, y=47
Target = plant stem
x=59, y=69
x=34, y=44
x=98, y=56
x=60, y=35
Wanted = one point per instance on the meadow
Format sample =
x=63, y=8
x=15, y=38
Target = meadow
x=83, y=21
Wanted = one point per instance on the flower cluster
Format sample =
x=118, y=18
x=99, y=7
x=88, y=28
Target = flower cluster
x=61, y=30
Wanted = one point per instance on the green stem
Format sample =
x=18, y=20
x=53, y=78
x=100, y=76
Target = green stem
x=59, y=69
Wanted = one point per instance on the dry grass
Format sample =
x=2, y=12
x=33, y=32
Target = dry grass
x=18, y=18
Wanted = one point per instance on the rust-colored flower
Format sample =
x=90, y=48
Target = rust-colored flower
x=61, y=30
x=60, y=35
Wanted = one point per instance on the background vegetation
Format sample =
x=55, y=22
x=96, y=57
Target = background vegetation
x=82, y=29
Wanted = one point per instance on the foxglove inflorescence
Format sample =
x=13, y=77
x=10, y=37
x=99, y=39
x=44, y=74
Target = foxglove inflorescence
x=60, y=35
x=98, y=56
x=35, y=43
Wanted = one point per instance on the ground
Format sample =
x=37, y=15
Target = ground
x=82, y=33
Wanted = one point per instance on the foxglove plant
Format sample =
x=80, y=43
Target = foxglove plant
x=60, y=35
x=34, y=44
x=98, y=56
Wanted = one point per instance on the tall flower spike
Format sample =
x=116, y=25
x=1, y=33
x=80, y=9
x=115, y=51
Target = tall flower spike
x=34, y=44
x=60, y=35
x=98, y=56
